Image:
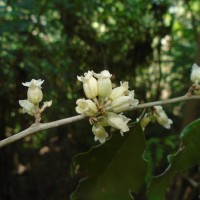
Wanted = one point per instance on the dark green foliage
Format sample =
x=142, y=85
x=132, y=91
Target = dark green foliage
x=186, y=157
x=57, y=40
x=113, y=169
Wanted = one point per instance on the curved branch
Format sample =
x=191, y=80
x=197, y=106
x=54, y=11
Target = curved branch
x=43, y=126
x=39, y=127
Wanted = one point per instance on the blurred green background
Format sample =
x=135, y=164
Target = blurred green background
x=150, y=43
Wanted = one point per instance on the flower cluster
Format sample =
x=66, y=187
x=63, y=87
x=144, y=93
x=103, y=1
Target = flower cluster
x=34, y=97
x=195, y=78
x=105, y=105
x=157, y=114
x=195, y=74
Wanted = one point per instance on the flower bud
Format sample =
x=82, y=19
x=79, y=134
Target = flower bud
x=197, y=91
x=27, y=107
x=124, y=103
x=104, y=83
x=121, y=104
x=86, y=107
x=89, y=85
x=158, y=109
x=34, y=83
x=117, y=121
x=35, y=95
x=195, y=74
x=119, y=91
x=144, y=122
x=100, y=133
x=47, y=104
x=34, y=91
x=162, y=118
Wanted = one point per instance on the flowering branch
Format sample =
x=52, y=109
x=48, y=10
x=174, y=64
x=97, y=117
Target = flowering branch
x=103, y=107
x=43, y=126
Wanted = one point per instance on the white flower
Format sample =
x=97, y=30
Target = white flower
x=100, y=133
x=119, y=91
x=118, y=121
x=195, y=74
x=27, y=107
x=124, y=118
x=47, y=103
x=162, y=118
x=86, y=107
x=124, y=103
x=104, y=83
x=34, y=83
x=34, y=91
x=89, y=85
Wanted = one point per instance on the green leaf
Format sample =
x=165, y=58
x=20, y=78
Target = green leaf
x=114, y=169
x=186, y=157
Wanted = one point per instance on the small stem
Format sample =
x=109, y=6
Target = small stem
x=168, y=101
x=37, y=116
x=142, y=115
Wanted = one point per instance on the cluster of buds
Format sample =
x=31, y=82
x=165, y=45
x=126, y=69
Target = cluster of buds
x=157, y=114
x=195, y=78
x=105, y=105
x=34, y=97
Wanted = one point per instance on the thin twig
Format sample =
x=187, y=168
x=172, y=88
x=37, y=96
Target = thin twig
x=39, y=127
x=43, y=126
x=168, y=101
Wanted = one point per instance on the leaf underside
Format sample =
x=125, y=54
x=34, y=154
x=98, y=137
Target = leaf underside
x=114, y=169
x=186, y=157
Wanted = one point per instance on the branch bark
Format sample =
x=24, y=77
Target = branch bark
x=39, y=127
x=43, y=126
